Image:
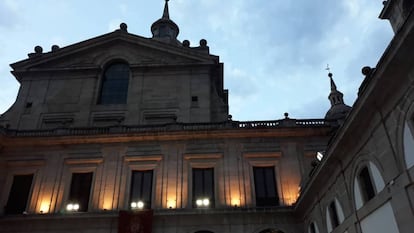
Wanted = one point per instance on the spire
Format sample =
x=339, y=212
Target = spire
x=333, y=86
x=338, y=109
x=165, y=29
x=166, y=14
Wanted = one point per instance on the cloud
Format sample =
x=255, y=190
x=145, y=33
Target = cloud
x=274, y=52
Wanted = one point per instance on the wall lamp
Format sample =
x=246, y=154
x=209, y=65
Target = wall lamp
x=137, y=205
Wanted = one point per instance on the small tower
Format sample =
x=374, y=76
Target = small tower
x=165, y=29
x=339, y=110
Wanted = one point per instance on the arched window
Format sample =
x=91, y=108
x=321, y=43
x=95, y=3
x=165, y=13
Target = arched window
x=368, y=182
x=408, y=145
x=365, y=184
x=114, y=87
x=334, y=215
x=313, y=228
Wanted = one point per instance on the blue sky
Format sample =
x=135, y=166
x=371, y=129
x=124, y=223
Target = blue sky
x=274, y=52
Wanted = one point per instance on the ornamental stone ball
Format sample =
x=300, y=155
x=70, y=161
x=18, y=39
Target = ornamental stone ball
x=203, y=43
x=123, y=27
x=55, y=48
x=366, y=70
x=186, y=43
x=38, y=49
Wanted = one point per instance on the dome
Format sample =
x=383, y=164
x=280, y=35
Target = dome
x=339, y=111
x=164, y=29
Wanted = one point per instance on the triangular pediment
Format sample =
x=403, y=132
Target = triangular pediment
x=118, y=45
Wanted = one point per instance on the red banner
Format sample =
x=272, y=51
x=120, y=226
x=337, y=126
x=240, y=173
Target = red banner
x=135, y=221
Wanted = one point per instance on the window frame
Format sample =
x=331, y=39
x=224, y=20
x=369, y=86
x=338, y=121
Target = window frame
x=207, y=160
x=267, y=201
x=103, y=94
x=12, y=195
x=24, y=167
x=263, y=159
x=134, y=162
x=364, y=187
x=147, y=203
x=80, y=165
x=333, y=215
x=204, y=194
x=313, y=227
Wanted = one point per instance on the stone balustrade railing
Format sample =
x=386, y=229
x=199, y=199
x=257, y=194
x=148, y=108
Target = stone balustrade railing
x=284, y=123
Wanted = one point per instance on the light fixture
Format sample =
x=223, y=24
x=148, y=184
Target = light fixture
x=140, y=205
x=72, y=207
x=137, y=205
x=205, y=202
x=199, y=202
x=319, y=155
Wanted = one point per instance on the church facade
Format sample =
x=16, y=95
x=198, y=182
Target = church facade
x=122, y=133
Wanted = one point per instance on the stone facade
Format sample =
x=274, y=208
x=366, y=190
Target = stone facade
x=175, y=119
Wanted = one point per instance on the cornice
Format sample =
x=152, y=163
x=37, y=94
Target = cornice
x=179, y=135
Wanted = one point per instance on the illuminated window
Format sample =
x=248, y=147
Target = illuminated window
x=141, y=189
x=203, y=187
x=114, y=87
x=265, y=186
x=366, y=185
x=80, y=189
x=19, y=194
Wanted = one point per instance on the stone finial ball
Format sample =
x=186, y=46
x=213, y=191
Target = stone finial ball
x=286, y=115
x=38, y=49
x=366, y=70
x=203, y=42
x=123, y=27
x=186, y=43
x=55, y=47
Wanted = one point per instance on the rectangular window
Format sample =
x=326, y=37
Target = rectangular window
x=141, y=189
x=80, y=189
x=19, y=194
x=265, y=186
x=203, y=187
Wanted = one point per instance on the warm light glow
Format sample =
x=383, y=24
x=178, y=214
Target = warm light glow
x=44, y=207
x=291, y=198
x=107, y=205
x=235, y=202
x=172, y=204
